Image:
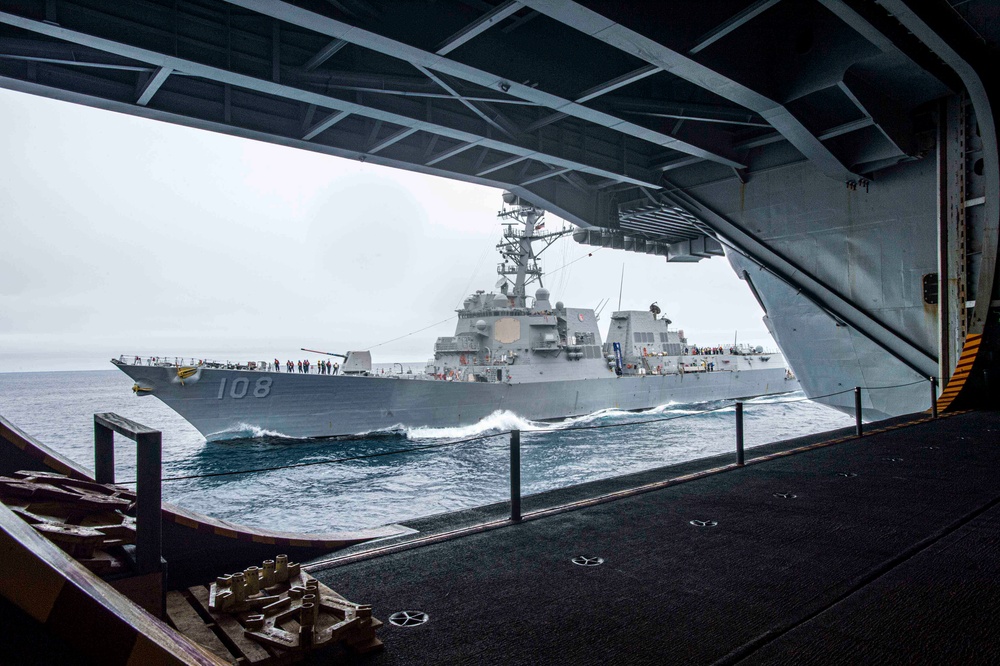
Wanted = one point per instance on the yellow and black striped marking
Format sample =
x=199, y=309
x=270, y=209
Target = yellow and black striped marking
x=962, y=370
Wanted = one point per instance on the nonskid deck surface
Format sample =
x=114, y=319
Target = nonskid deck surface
x=888, y=544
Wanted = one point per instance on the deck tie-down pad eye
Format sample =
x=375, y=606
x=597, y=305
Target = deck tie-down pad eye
x=408, y=618
x=585, y=561
x=704, y=523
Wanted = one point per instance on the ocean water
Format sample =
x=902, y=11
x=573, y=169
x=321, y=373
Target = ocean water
x=58, y=408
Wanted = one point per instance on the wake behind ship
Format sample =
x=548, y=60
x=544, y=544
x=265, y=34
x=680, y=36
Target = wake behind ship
x=510, y=352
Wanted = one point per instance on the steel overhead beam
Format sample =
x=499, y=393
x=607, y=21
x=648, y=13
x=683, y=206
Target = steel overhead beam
x=324, y=54
x=486, y=107
x=149, y=89
x=815, y=290
x=608, y=31
x=415, y=56
x=324, y=125
x=545, y=121
x=846, y=128
x=457, y=150
x=466, y=103
x=192, y=68
x=389, y=140
x=726, y=27
x=481, y=25
x=503, y=164
x=426, y=95
x=517, y=22
x=699, y=119
x=543, y=176
x=651, y=108
x=387, y=85
x=76, y=63
x=616, y=83
x=775, y=137
x=713, y=111
x=569, y=178
x=676, y=164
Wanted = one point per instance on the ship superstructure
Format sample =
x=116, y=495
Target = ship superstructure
x=509, y=336
x=511, y=351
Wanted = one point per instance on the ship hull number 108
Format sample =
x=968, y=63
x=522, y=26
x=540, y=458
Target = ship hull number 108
x=240, y=388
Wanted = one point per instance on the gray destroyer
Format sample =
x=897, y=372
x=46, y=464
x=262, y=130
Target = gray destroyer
x=510, y=352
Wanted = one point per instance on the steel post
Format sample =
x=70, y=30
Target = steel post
x=515, y=475
x=148, y=526
x=934, y=397
x=857, y=411
x=104, y=453
x=739, y=434
x=149, y=458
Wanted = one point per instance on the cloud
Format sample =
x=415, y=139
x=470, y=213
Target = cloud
x=139, y=236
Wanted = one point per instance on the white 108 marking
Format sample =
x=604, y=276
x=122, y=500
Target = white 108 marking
x=263, y=387
x=238, y=388
x=241, y=385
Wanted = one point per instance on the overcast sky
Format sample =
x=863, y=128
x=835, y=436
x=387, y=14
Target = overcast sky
x=126, y=235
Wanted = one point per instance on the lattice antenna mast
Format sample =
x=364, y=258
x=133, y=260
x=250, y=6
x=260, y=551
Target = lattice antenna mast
x=520, y=266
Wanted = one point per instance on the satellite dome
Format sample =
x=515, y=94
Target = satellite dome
x=509, y=198
x=481, y=326
x=559, y=305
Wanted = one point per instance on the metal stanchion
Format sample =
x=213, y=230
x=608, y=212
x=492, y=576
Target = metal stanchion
x=148, y=491
x=934, y=397
x=739, y=434
x=857, y=410
x=515, y=475
x=104, y=453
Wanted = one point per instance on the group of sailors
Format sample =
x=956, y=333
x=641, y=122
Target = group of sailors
x=321, y=367
x=709, y=351
x=305, y=367
x=163, y=360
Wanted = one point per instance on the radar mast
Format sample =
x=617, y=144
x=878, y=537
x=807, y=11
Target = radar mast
x=520, y=266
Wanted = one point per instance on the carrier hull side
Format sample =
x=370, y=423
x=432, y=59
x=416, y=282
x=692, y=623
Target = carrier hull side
x=226, y=403
x=829, y=357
